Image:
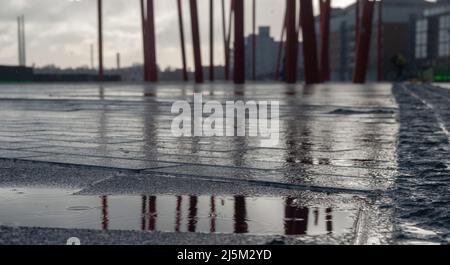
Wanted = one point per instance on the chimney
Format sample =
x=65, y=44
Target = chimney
x=24, y=41
x=21, y=40
x=19, y=37
x=92, y=56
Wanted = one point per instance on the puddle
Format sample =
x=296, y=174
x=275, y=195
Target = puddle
x=203, y=214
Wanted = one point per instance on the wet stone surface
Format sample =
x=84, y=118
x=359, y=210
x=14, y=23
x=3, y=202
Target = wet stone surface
x=354, y=165
x=422, y=196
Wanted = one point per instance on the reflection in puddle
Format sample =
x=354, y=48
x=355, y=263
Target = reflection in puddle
x=202, y=214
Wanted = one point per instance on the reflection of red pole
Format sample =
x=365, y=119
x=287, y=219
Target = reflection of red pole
x=380, y=41
x=152, y=213
x=178, y=214
x=296, y=218
x=363, y=48
x=329, y=220
x=196, y=42
x=291, y=43
x=325, y=10
x=192, y=217
x=105, y=219
x=213, y=215
x=309, y=42
x=153, y=72
x=211, y=40
x=280, y=51
x=240, y=215
x=254, y=41
x=144, y=213
x=100, y=41
x=239, y=42
x=183, y=48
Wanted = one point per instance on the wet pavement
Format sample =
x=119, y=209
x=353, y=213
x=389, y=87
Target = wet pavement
x=354, y=165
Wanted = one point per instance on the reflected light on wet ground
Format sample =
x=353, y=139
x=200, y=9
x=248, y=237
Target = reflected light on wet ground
x=203, y=214
x=330, y=135
x=334, y=139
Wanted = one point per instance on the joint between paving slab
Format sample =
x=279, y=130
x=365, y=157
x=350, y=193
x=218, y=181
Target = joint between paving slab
x=75, y=165
x=300, y=187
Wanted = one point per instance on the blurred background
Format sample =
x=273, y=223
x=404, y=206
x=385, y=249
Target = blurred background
x=61, y=36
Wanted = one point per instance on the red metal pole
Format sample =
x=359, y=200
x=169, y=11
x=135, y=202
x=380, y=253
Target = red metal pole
x=227, y=48
x=291, y=43
x=254, y=41
x=100, y=41
x=183, y=47
x=325, y=10
x=357, y=20
x=224, y=32
x=153, y=71
x=380, y=41
x=196, y=42
x=239, y=42
x=280, y=50
x=363, y=49
x=357, y=26
x=211, y=40
x=299, y=21
x=144, y=38
x=309, y=42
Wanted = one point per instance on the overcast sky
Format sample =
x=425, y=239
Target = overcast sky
x=60, y=32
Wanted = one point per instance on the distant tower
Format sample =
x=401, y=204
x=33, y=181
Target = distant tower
x=118, y=60
x=19, y=36
x=24, y=41
x=21, y=40
x=92, y=56
x=100, y=40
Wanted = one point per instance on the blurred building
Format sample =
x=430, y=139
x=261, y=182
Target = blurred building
x=266, y=56
x=266, y=52
x=16, y=74
x=398, y=37
x=432, y=41
x=51, y=73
